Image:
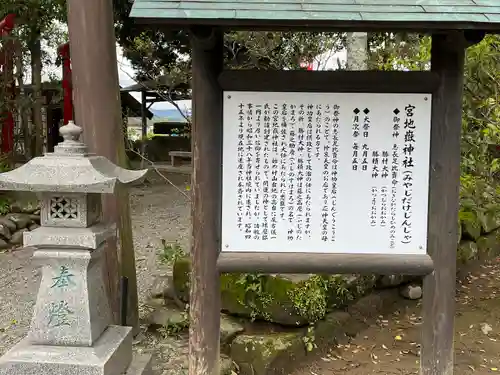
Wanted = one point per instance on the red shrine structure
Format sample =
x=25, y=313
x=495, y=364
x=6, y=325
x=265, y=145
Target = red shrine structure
x=7, y=74
x=56, y=111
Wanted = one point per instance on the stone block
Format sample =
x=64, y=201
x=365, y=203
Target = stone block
x=286, y=299
x=263, y=354
x=226, y=365
x=20, y=220
x=229, y=329
x=111, y=355
x=140, y=365
x=467, y=252
x=391, y=281
x=411, y=291
x=88, y=238
x=72, y=306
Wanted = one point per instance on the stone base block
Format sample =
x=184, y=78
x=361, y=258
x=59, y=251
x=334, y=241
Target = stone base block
x=141, y=365
x=110, y=355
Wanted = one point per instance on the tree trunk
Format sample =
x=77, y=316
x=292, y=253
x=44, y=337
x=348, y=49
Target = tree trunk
x=36, y=77
x=357, y=51
x=98, y=111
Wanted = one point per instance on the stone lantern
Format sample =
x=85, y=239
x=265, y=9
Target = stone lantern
x=71, y=331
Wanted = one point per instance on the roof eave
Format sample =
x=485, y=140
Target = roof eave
x=275, y=25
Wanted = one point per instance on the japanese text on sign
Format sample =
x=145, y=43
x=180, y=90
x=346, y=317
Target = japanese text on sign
x=325, y=172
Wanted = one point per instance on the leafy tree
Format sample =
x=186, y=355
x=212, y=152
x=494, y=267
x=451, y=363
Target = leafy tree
x=37, y=23
x=480, y=151
x=397, y=51
x=166, y=54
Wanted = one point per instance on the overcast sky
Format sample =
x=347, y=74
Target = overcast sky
x=126, y=74
x=326, y=61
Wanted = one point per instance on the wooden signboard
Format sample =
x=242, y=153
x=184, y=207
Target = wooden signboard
x=325, y=172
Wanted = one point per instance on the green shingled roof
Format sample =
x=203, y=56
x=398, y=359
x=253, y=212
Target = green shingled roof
x=468, y=13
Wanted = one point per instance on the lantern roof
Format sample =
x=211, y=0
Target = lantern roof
x=70, y=169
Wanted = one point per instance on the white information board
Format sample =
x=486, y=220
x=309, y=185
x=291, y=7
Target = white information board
x=325, y=172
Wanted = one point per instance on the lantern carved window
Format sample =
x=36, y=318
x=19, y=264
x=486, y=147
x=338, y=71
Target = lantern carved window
x=63, y=208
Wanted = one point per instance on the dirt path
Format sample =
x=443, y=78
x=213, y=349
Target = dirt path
x=391, y=345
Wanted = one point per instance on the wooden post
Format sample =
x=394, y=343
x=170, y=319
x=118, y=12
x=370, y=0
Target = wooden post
x=447, y=61
x=206, y=202
x=98, y=110
x=63, y=51
x=144, y=126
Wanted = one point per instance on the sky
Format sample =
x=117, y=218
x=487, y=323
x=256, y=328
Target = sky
x=126, y=73
x=327, y=61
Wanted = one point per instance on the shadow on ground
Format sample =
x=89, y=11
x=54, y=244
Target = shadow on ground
x=391, y=345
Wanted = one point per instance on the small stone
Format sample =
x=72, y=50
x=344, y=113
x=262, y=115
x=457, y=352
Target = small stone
x=166, y=316
x=411, y=291
x=9, y=224
x=265, y=353
x=30, y=209
x=5, y=232
x=391, y=281
x=35, y=218
x=33, y=226
x=155, y=302
x=138, y=339
x=229, y=328
x=486, y=328
x=4, y=244
x=25, y=205
x=17, y=237
x=490, y=221
x=227, y=366
x=161, y=283
x=15, y=207
x=467, y=251
x=336, y=323
x=21, y=220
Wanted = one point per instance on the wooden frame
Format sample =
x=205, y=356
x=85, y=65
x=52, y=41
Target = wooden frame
x=448, y=55
x=204, y=312
x=324, y=263
x=329, y=81
x=444, y=82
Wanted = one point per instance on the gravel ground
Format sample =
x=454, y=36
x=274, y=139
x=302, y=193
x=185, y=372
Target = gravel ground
x=159, y=212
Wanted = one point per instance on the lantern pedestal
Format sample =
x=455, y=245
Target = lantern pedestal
x=109, y=355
